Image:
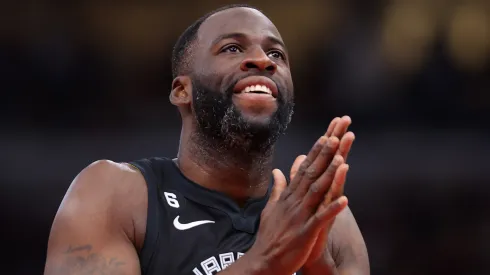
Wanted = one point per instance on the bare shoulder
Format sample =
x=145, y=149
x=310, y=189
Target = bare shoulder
x=118, y=187
x=347, y=245
x=108, y=176
x=99, y=222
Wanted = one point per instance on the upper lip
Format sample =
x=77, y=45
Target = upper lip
x=256, y=80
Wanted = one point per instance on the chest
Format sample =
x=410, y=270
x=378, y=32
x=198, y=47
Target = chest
x=203, y=240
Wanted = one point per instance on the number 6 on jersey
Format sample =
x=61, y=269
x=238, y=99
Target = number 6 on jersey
x=171, y=199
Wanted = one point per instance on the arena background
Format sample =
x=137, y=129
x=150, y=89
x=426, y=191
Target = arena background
x=88, y=80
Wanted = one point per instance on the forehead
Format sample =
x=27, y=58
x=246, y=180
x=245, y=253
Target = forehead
x=236, y=20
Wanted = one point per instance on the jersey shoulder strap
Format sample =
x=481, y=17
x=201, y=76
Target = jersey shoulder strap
x=152, y=170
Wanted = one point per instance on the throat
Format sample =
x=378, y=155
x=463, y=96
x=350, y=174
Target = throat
x=240, y=178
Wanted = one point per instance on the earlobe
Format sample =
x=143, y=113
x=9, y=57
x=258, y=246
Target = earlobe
x=181, y=91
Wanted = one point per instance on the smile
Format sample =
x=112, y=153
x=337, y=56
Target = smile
x=257, y=89
x=259, y=85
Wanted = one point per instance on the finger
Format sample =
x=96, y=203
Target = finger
x=332, y=126
x=318, y=167
x=337, y=187
x=280, y=184
x=296, y=164
x=317, y=148
x=317, y=191
x=342, y=126
x=346, y=144
x=324, y=216
x=332, y=209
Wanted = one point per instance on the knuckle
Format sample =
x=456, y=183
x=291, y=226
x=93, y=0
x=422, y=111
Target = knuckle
x=326, y=202
x=326, y=151
x=314, y=189
x=311, y=173
x=332, y=166
x=336, y=162
x=318, y=146
x=285, y=194
x=290, y=200
x=303, y=167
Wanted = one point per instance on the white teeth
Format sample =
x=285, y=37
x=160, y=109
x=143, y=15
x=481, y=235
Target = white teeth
x=257, y=88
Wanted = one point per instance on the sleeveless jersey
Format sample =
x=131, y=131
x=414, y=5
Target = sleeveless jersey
x=191, y=229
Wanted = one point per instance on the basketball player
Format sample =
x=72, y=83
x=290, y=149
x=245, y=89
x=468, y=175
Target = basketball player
x=213, y=209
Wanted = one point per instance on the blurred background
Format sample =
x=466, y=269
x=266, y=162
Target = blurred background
x=88, y=80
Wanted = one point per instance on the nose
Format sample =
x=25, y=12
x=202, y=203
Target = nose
x=259, y=60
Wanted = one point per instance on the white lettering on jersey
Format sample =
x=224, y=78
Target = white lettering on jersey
x=226, y=259
x=210, y=265
x=171, y=199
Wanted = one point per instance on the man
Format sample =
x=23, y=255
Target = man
x=200, y=213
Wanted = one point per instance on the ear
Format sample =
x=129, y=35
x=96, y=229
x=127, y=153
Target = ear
x=181, y=93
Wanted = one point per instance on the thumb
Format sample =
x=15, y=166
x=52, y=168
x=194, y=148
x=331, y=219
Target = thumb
x=280, y=184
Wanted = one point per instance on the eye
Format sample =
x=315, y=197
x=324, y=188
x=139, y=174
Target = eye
x=231, y=49
x=276, y=54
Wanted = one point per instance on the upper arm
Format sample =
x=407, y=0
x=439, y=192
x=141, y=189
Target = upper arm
x=88, y=234
x=348, y=247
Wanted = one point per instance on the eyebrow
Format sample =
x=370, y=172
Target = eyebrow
x=239, y=35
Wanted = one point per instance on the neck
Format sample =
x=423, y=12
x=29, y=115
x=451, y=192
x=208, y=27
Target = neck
x=235, y=172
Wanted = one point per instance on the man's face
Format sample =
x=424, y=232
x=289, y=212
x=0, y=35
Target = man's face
x=242, y=87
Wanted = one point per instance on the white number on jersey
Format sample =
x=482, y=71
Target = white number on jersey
x=171, y=199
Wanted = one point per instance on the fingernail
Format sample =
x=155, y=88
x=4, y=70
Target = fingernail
x=332, y=140
x=342, y=200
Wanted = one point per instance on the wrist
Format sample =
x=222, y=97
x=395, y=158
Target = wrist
x=256, y=265
x=249, y=264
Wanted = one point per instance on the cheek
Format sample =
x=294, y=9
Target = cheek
x=208, y=81
x=288, y=82
x=222, y=70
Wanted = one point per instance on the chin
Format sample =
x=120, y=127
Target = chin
x=257, y=119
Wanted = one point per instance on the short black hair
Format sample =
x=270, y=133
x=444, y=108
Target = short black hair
x=183, y=46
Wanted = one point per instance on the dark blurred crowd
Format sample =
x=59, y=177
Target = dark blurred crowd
x=90, y=80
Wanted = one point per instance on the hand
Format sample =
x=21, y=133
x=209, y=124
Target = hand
x=296, y=213
x=337, y=128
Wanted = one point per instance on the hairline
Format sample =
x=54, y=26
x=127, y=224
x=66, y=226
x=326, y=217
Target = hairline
x=188, y=52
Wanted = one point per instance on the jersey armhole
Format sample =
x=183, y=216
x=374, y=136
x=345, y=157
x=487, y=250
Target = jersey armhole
x=151, y=233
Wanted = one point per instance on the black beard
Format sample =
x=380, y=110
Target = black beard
x=223, y=129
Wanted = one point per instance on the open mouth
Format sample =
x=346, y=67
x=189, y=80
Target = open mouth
x=257, y=89
x=258, y=85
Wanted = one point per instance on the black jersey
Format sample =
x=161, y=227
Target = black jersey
x=191, y=229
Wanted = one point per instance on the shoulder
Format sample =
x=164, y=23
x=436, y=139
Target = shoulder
x=105, y=170
x=108, y=182
x=109, y=188
x=95, y=222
